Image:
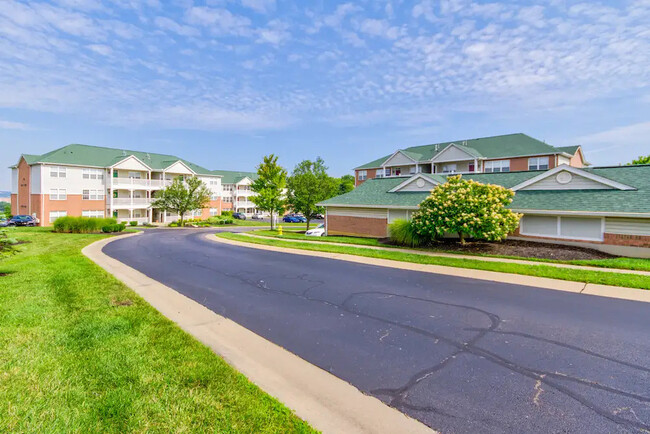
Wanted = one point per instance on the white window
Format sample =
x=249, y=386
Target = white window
x=58, y=194
x=538, y=163
x=214, y=197
x=93, y=214
x=497, y=166
x=214, y=182
x=93, y=174
x=363, y=174
x=411, y=170
x=136, y=175
x=214, y=212
x=92, y=195
x=57, y=172
x=449, y=168
x=575, y=228
x=57, y=214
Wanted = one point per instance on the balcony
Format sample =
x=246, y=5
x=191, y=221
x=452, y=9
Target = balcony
x=244, y=204
x=131, y=203
x=243, y=193
x=140, y=184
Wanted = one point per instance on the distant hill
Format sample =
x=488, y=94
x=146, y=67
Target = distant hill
x=5, y=193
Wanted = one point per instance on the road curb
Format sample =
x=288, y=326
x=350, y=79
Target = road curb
x=632, y=294
x=325, y=401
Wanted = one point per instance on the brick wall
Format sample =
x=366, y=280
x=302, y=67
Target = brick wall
x=372, y=173
x=357, y=226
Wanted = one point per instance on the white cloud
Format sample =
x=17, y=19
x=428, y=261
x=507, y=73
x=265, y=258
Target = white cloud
x=10, y=125
x=172, y=26
x=275, y=33
x=261, y=6
x=104, y=50
x=424, y=9
x=219, y=21
x=380, y=28
x=620, y=137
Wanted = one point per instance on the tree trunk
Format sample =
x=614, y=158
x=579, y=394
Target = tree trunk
x=462, y=238
x=308, y=220
x=271, y=220
x=181, y=219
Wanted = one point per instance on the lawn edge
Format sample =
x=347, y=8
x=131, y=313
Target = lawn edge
x=321, y=399
x=593, y=289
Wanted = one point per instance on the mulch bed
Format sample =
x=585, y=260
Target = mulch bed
x=524, y=249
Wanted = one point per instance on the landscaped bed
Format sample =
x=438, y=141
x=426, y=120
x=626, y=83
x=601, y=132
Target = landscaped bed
x=81, y=352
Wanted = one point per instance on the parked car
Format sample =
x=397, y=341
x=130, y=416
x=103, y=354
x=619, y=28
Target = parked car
x=293, y=219
x=23, y=220
x=319, y=216
x=258, y=216
x=318, y=231
x=3, y=222
x=239, y=215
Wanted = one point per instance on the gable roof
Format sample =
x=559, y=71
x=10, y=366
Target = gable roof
x=606, y=182
x=233, y=177
x=508, y=145
x=376, y=193
x=98, y=156
x=571, y=150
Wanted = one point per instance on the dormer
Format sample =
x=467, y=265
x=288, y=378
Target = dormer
x=565, y=177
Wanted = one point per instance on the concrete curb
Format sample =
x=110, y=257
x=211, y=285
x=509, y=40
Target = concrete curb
x=457, y=256
x=326, y=402
x=633, y=294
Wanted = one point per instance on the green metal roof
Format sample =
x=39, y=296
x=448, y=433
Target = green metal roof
x=375, y=192
x=233, y=177
x=509, y=145
x=97, y=156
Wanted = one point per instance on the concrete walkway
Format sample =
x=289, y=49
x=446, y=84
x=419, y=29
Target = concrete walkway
x=326, y=402
x=517, y=279
x=458, y=256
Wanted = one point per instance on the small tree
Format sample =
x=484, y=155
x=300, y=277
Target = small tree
x=346, y=184
x=642, y=160
x=182, y=197
x=468, y=208
x=269, y=186
x=309, y=184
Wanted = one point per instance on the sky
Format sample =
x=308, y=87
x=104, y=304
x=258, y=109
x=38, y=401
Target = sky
x=224, y=82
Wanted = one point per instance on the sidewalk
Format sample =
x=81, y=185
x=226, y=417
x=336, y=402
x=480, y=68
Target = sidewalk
x=458, y=256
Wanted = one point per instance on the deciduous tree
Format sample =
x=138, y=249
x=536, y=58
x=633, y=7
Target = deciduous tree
x=346, y=184
x=642, y=160
x=269, y=186
x=183, y=196
x=468, y=208
x=309, y=184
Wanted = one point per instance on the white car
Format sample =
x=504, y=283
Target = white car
x=318, y=231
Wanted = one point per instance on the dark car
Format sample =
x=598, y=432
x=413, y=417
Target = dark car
x=293, y=218
x=239, y=215
x=23, y=220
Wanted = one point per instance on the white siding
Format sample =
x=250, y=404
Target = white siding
x=453, y=153
x=131, y=163
x=36, y=172
x=178, y=168
x=74, y=183
x=625, y=226
x=577, y=183
x=395, y=214
x=413, y=185
x=399, y=159
x=14, y=181
x=357, y=212
x=563, y=160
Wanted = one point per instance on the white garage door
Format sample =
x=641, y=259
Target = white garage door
x=574, y=228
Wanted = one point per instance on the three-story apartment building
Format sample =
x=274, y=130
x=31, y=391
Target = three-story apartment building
x=92, y=181
x=507, y=153
x=236, y=191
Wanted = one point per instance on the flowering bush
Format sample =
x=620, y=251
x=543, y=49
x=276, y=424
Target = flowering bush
x=468, y=208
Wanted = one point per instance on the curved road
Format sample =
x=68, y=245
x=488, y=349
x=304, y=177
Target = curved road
x=461, y=355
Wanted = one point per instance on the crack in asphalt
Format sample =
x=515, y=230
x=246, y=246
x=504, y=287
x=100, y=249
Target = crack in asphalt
x=399, y=396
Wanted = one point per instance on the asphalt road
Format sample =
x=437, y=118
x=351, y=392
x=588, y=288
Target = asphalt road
x=461, y=355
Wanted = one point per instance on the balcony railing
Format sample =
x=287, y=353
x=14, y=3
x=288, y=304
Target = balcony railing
x=127, y=202
x=140, y=220
x=136, y=183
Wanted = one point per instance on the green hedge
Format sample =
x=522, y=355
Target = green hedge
x=403, y=233
x=85, y=225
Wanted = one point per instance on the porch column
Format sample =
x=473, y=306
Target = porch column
x=475, y=165
x=110, y=193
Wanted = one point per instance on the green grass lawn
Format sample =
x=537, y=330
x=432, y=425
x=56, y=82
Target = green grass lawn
x=621, y=263
x=80, y=352
x=586, y=276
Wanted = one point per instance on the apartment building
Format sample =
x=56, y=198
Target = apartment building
x=506, y=153
x=236, y=191
x=92, y=181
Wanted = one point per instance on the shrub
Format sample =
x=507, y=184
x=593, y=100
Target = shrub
x=82, y=225
x=467, y=208
x=403, y=233
x=173, y=225
x=133, y=223
x=226, y=213
x=116, y=227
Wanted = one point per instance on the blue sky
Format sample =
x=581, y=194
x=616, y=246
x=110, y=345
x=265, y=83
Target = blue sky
x=224, y=82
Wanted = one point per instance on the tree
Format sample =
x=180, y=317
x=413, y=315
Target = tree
x=346, y=184
x=309, y=184
x=642, y=160
x=468, y=208
x=269, y=186
x=183, y=196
